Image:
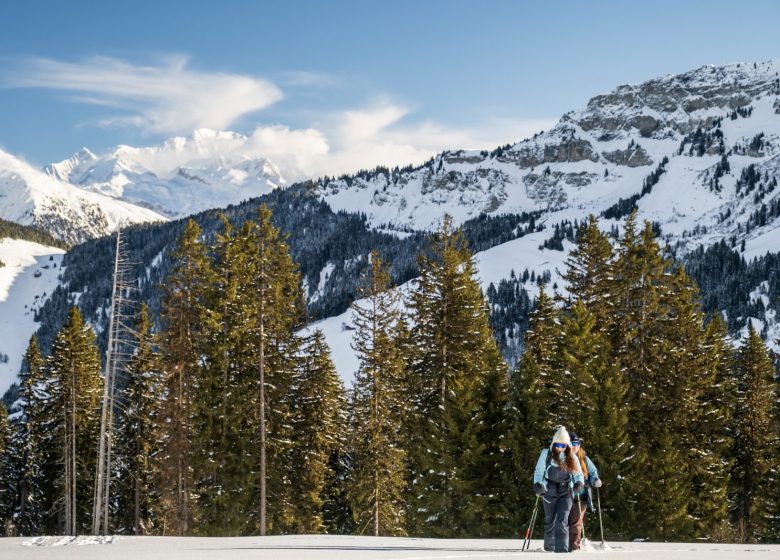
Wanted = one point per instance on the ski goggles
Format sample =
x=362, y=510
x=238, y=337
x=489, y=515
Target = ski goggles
x=559, y=445
x=575, y=444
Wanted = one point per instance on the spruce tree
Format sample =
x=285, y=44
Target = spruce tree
x=378, y=456
x=182, y=308
x=29, y=454
x=278, y=311
x=589, y=271
x=641, y=312
x=224, y=394
x=453, y=355
x=139, y=435
x=7, y=490
x=533, y=392
x=319, y=419
x=582, y=356
x=74, y=371
x=755, y=453
x=709, y=433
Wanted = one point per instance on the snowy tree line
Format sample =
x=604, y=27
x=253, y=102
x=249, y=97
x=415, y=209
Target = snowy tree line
x=230, y=423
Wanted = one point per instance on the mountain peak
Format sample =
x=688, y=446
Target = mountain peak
x=179, y=176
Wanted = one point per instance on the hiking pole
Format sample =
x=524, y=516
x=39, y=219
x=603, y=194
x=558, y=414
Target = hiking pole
x=601, y=525
x=527, y=541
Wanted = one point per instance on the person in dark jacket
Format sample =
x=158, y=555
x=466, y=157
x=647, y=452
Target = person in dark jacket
x=557, y=477
x=583, y=500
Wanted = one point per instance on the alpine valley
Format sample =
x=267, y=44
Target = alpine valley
x=697, y=154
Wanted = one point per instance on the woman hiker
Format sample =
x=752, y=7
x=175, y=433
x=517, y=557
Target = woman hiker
x=558, y=476
x=583, y=500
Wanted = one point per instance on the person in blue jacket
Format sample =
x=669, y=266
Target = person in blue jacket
x=558, y=476
x=583, y=500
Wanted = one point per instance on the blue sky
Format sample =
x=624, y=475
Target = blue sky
x=362, y=81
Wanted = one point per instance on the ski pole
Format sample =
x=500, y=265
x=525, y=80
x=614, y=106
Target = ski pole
x=533, y=526
x=601, y=525
x=527, y=541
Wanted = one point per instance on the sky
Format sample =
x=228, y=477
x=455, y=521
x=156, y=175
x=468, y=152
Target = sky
x=339, y=85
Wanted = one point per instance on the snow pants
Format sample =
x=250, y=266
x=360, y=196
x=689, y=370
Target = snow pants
x=576, y=520
x=557, y=505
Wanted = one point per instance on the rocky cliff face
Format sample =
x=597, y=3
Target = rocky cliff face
x=711, y=124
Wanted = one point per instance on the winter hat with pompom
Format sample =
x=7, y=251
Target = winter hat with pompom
x=562, y=436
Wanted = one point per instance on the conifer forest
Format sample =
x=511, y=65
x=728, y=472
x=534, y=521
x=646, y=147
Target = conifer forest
x=227, y=420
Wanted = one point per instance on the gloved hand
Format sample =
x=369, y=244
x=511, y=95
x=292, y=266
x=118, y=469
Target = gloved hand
x=597, y=484
x=578, y=487
x=538, y=489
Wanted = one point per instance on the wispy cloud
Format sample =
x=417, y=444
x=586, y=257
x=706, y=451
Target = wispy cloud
x=166, y=97
x=386, y=133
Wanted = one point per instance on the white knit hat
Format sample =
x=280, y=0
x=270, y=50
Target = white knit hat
x=562, y=436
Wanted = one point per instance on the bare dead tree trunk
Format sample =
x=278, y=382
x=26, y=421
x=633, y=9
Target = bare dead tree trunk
x=263, y=483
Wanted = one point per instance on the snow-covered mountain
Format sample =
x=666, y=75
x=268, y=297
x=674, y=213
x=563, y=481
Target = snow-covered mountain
x=698, y=153
x=713, y=124
x=178, y=177
x=31, y=197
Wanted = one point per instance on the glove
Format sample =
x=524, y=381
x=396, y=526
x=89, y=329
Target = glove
x=538, y=489
x=578, y=487
x=597, y=483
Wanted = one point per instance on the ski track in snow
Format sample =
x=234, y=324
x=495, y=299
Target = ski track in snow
x=322, y=547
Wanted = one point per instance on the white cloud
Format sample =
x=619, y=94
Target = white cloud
x=168, y=98
x=383, y=133
x=164, y=98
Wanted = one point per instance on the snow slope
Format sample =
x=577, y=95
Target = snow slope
x=28, y=277
x=327, y=547
x=493, y=265
x=31, y=197
x=179, y=177
x=594, y=157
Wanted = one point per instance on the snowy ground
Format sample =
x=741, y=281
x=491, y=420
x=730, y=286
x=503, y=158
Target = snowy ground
x=347, y=548
x=26, y=281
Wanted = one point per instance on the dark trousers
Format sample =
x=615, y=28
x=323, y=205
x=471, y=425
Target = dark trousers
x=576, y=520
x=557, y=505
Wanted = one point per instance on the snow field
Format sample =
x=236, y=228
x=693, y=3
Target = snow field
x=21, y=293
x=326, y=547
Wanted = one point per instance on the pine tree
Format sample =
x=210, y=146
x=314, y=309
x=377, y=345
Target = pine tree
x=337, y=516
x=454, y=354
x=182, y=307
x=754, y=453
x=74, y=370
x=709, y=433
x=29, y=454
x=224, y=394
x=533, y=392
x=589, y=270
x=139, y=435
x=278, y=311
x=605, y=431
x=377, y=484
x=582, y=357
x=489, y=475
x=641, y=310
x=6, y=475
x=319, y=413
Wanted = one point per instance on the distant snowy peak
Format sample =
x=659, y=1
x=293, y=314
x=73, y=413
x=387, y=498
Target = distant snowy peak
x=31, y=197
x=178, y=177
x=63, y=169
